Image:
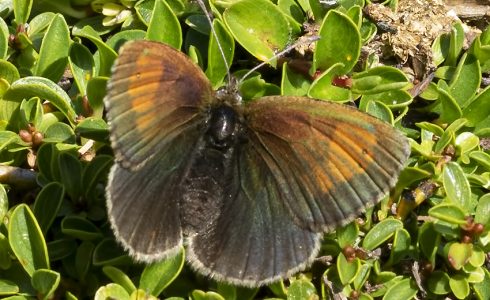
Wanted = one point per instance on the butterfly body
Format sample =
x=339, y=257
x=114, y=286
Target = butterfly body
x=250, y=187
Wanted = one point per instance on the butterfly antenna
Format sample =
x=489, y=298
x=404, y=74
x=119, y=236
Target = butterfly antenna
x=213, y=32
x=300, y=41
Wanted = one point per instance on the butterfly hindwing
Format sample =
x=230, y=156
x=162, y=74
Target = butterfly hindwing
x=153, y=93
x=329, y=161
x=254, y=240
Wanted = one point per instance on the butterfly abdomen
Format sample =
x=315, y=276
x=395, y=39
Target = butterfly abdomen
x=210, y=170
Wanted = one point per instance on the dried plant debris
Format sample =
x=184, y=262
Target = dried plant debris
x=407, y=34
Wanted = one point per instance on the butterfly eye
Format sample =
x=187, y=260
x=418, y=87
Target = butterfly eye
x=222, y=127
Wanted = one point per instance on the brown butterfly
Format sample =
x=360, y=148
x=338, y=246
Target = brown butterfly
x=249, y=188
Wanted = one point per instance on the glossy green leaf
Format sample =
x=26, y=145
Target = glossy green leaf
x=53, y=56
x=466, y=80
x=259, y=26
x=45, y=282
x=108, y=252
x=47, y=204
x=340, y=42
x=4, y=35
x=8, y=287
x=201, y=295
x=119, y=277
x=96, y=171
x=83, y=259
x=96, y=91
x=380, y=233
x=448, y=212
x=428, y=240
x=403, y=290
x=61, y=248
x=82, y=66
x=440, y=48
x=4, y=202
x=27, y=87
x=459, y=254
x=164, y=26
x=459, y=286
x=378, y=80
x=347, y=235
x=293, y=83
x=31, y=113
x=26, y=240
x=111, y=291
x=106, y=54
x=456, y=40
x=71, y=175
x=59, y=133
x=322, y=87
x=362, y=276
x=482, y=214
x=400, y=247
x=456, y=185
x=380, y=111
x=347, y=269
x=482, y=289
x=157, y=276
x=438, y=283
x=301, y=289
x=80, y=228
x=478, y=109
x=217, y=69
x=22, y=10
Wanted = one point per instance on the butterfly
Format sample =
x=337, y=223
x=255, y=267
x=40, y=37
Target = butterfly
x=248, y=188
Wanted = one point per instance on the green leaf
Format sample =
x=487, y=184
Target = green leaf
x=340, y=42
x=22, y=10
x=108, y=252
x=45, y=282
x=120, y=278
x=466, y=80
x=47, y=204
x=478, y=109
x=347, y=270
x=59, y=249
x=164, y=26
x=94, y=173
x=8, y=71
x=400, y=247
x=53, y=55
x=106, y=54
x=71, y=175
x=347, y=235
x=459, y=254
x=482, y=214
x=301, y=289
x=448, y=212
x=8, y=287
x=459, y=285
x=381, y=232
x=322, y=87
x=4, y=36
x=83, y=259
x=80, y=228
x=259, y=26
x=27, y=87
x=217, y=69
x=456, y=186
x=482, y=289
x=82, y=66
x=380, y=111
x=377, y=80
x=111, y=291
x=4, y=202
x=157, y=276
x=59, y=133
x=293, y=83
x=438, y=283
x=26, y=240
x=31, y=112
x=456, y=41
x=428, y=240
x=404, y=289
x=96, y=91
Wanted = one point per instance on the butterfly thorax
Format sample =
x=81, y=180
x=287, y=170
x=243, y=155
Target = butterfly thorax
x=211, y=170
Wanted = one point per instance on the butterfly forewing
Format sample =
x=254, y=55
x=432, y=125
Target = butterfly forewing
x=154, y=92
x=328, y=161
